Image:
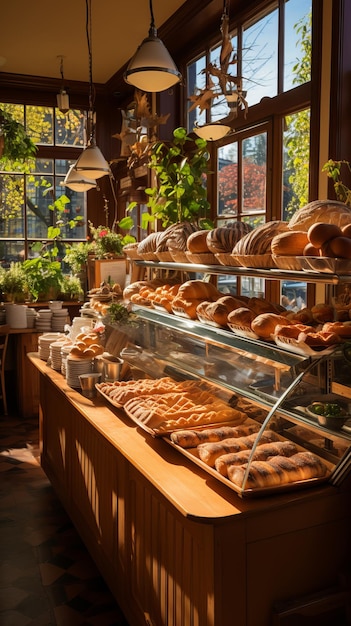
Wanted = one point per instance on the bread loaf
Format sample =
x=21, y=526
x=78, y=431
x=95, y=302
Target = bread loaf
x=198, y=289
x=197, y=242
x=262, y=453
x=178, y=236
x=192, y=438
x=241, y=317
x=223, y=239
x=209, y=452
x=278, y=470
x=289, y=243
x=258, y=241
x=327, y=211
x=264, y=325
x=320, y=233
x=149, y=244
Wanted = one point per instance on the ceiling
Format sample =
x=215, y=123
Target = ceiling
x=35, y=35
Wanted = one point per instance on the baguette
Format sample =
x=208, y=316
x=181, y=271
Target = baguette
x=262, y=453
x=192, y=438
x=209, y=452
x=278, y=470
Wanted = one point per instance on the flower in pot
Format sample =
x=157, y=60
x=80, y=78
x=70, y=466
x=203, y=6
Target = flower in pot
x=107, y=243
x=181, y=167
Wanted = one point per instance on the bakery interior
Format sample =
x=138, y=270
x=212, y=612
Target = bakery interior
x=175, y=435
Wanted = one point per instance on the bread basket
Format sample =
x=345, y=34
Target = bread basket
x=226, y=258
x=203, y=259
x=262, y=261
x=165, y=256
x=287, y=262
x=178, y=256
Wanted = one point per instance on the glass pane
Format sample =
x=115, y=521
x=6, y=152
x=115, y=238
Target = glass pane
x=39, y=124
x=12, y=205
x=293, y=295
x=254, y=173
x=39, y=197
x=69, y=128
x=296, y=158
x=62, y=166
x=260, y=59
x=43, y=166
x=75, y=208
x=227, y=180
x=297, y=43
x=219, y=108
x=196, y=82
x=11, y=252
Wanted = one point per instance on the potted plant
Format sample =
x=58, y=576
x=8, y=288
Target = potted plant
x=14, y=283
x=71, y=288
x=44, y=277
x=77, y=256
x=106, y=242
x=180, y=195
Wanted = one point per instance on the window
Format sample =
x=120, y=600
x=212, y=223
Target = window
x=28, y=199
x=263, y=167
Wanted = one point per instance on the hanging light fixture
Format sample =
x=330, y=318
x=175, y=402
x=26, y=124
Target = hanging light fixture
x=62, y=97
x=91, y=162
x=152, y=67
x=219, y=82
x=77, y=181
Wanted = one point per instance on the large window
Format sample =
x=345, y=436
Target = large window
x=263, y=167
x=29, y=200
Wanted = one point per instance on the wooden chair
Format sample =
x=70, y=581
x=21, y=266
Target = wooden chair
x=4, y=337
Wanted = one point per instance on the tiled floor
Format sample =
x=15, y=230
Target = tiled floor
x=47, y=577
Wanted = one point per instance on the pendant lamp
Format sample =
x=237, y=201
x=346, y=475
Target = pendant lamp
x=91, y=162
x=152, y=67
x=77, y=181
x=62, y=97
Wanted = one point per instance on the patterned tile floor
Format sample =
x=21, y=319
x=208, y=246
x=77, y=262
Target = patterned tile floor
x=47, y=577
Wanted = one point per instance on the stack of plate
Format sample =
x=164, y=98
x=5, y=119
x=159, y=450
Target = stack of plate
x=76, y=367
x=59, y=319
x=55, y=353
x=44, y=342
x=31, y=317
x=43, y=321
x=65, y=350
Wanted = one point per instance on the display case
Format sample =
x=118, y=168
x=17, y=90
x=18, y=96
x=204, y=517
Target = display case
x=276, y=386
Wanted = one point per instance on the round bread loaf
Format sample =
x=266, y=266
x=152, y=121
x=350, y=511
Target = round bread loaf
x=224, y=238
x=197, y=242
x=258, y=241
x=320, y=233
x=322, y=312
x=289, y=243
x=339, y=247
x=327, y=211
x=346, y=230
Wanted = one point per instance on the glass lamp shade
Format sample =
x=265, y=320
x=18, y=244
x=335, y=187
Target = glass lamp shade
x=152, y=67
x=92, y=163
x=212, y=132
x=63, y=101
x=77, y=181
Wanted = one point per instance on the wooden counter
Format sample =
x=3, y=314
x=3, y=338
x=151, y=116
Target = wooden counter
x=177, y=547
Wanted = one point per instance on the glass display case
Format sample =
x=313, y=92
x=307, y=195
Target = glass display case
x=301, y=402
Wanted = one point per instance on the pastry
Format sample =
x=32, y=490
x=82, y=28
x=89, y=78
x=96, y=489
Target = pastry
x=192, y=438
x=209, y=452
x=262, y=453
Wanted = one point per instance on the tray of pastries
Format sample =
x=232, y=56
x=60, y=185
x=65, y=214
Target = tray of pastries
x=275, y=463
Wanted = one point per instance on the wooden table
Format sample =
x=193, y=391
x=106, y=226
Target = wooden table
x=177, y=547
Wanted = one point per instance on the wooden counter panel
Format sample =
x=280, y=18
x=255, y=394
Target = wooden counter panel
x=176, y=547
